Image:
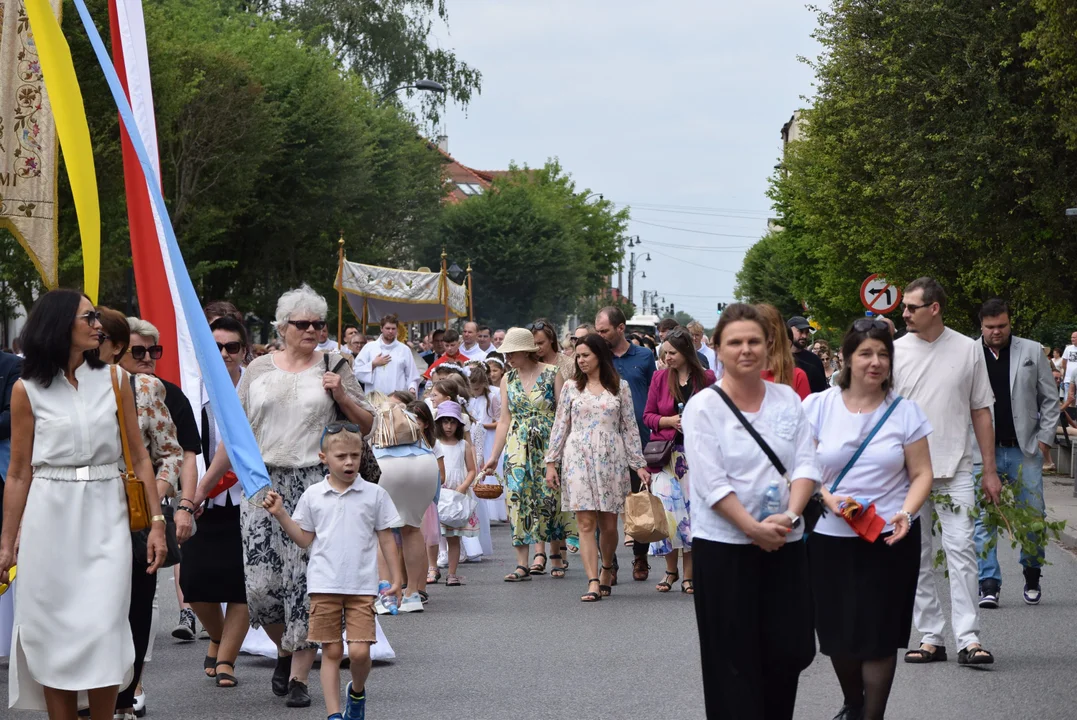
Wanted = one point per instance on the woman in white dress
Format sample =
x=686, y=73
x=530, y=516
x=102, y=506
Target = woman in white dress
x=64, y=489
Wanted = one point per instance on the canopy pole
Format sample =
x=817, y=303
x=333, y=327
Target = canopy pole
x=470, y=297
x=445, y=286
x=340, y=291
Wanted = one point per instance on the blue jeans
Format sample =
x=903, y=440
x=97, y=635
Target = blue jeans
x=1026, y=471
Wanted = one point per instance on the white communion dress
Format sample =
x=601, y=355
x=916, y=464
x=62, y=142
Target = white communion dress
x=74, y=587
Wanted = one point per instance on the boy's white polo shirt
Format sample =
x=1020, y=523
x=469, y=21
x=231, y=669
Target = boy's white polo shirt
x=344, y=554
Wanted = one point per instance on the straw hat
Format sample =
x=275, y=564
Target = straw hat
x=518, y=340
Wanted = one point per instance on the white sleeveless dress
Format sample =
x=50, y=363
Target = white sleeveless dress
x=74, y=587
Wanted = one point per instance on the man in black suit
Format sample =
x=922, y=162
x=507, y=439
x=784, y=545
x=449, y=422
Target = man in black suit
x=10, y=370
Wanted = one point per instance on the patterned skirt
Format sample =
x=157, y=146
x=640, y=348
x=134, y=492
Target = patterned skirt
x=275, y=567
x=671, y=487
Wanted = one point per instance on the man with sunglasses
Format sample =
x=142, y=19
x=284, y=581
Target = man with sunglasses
x=1026, y=413
x=142, y=355
x=944, y=373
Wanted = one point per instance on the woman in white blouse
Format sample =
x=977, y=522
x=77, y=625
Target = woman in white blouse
x=289, y=396
x=864, y=590
x=753, y=606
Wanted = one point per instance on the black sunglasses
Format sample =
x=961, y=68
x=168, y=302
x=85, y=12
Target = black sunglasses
x=139, y=352
x=230, y=347
x=865, y=324
x=914, y=308
x=303, y=325
x=336, y=427
x=678, y=332
x=535, y=327
x=576, y=341
x=92, y=317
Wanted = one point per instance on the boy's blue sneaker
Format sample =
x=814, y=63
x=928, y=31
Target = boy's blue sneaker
x=336, y=716
x=355, y=705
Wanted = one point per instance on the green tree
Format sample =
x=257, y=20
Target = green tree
x=536, y=247
x=1054, y=40
x=388, y=43
x=588, y=308
x=931, y=149
x=766, y=276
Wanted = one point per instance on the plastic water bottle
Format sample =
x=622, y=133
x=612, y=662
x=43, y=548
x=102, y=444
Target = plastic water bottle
x=772, y=500
x=387, y=598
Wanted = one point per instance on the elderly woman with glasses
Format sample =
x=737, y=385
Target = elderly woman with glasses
x=290, y=397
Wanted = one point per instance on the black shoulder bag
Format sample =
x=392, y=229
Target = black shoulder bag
x=368, y=464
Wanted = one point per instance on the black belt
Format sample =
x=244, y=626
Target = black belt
x=1008, y=444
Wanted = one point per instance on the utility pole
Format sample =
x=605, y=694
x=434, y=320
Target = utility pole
x=643, y=302
x=631, y=274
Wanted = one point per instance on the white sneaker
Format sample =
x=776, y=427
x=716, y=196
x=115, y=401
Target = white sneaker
x=380, y=608
x=411, y=603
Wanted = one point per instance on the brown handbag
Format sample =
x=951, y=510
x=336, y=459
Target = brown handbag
x=138, y=507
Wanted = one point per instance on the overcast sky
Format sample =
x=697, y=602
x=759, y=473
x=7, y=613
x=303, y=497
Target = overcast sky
x=673, y=108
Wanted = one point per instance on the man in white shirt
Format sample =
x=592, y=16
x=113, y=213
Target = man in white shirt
x=944, y=373
x=469, y=348
x=485, y=342
x=1069, y=364
x=387, y=365
x=697, y=332
x=324, y=343
x=499, y=337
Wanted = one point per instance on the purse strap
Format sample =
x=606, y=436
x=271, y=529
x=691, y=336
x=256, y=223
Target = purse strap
x=123, y=425
x=864, y=445
x=751, y=430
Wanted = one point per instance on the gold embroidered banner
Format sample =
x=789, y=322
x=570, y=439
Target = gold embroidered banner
x=27, y=142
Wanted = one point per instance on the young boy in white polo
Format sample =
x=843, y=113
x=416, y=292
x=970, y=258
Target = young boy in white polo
x=342, y=520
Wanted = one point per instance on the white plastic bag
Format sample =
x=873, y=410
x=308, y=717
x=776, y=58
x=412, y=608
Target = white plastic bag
x=455, y=508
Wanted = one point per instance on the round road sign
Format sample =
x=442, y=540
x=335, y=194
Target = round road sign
x=879, y=296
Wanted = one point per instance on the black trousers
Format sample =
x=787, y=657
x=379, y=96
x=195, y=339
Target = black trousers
x=756, y=631
x=140, y=616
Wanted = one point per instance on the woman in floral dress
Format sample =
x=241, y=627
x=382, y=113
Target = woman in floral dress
x=596, y=441
x=531, y=389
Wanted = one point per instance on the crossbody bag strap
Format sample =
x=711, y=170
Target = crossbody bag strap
x=864, y=445
x=123, y=425
x=751, y=430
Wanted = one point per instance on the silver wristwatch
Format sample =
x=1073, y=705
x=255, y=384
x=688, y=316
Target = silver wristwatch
x=794, y=517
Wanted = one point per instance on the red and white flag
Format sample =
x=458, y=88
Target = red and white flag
x=158, y=295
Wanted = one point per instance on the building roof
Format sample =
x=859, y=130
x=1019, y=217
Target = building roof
x=464, y=181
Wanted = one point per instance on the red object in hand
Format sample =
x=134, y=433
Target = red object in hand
x=227, y=480
x=863, y=520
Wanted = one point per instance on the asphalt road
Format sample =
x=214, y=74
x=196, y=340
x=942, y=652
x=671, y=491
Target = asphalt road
x=491, y=649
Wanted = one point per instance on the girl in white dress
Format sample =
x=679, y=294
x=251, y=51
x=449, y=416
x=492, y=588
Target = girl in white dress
x=457, y=464
x=485, y=407
x=65, y=491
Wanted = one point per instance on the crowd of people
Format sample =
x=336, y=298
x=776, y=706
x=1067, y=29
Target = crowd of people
x=752, y=440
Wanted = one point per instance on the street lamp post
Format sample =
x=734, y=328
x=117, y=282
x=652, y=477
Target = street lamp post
x=632, y=272
x=426, y=85
x=631, y=242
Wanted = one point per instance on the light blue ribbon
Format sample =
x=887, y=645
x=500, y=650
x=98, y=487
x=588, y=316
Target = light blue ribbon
x=231, y=420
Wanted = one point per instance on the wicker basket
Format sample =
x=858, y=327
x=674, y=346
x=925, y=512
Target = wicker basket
x=484, y=491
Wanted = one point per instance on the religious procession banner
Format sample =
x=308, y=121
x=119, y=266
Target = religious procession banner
x=412, y=296
x=28, y=148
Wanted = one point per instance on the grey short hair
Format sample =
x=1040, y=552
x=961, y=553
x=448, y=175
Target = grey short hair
x=144, y=329
x=299, y=300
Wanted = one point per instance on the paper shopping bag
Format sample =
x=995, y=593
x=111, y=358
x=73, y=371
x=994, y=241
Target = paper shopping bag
x=645, y=517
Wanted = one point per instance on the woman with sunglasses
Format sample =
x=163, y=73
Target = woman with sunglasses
x=159, y=436
x=864, y=578
x=64, y=504
x=212, y=575
x=289, y=397
x=671, y=389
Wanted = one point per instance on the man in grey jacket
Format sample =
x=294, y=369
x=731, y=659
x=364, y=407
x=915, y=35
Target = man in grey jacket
x=1026, y=415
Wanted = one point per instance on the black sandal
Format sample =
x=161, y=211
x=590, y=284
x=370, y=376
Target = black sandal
x=975, y=656
x=605, y=590
x=921, y=656
x=210, y=663
x=515, y=575
x=591, y=596
x=536, y=568
x=226, y=677
x=558, y=572
x=688, y=587
x=666, y=585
